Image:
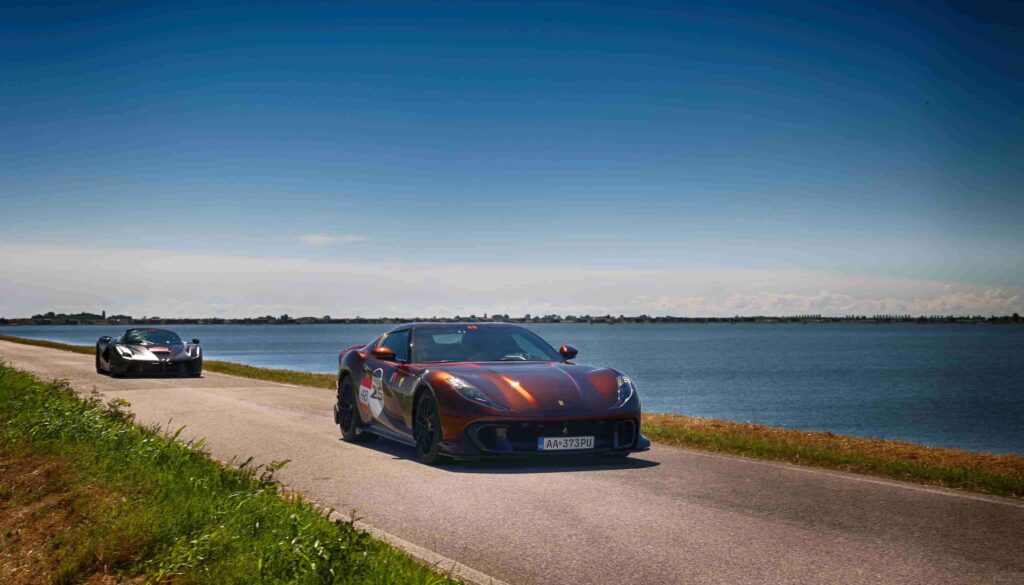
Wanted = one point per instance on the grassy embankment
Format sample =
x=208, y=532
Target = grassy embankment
x=978, y=472
x=86, y=495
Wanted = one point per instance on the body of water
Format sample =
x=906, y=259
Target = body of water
x=948, y=385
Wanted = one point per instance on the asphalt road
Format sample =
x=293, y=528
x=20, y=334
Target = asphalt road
x=665, y=516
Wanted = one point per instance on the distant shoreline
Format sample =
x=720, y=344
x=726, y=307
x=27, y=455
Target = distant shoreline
x=93, y=319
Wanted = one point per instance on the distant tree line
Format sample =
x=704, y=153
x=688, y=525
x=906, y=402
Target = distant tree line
x=86, y=318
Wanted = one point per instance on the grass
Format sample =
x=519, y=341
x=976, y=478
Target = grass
x=966, y=470
x=87, y=495
x=272, y=375
x=88, y=349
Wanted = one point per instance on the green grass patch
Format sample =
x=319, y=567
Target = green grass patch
x=50, y=344
x=90, y=493
x=272, y=375
x=977, y=472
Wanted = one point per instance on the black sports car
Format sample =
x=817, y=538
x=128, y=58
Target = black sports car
x=148, y=351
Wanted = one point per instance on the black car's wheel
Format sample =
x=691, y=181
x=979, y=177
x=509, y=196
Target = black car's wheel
x=112, y=368
x=196, y=369
x=426, y=428
x=99, y=370
x=347, y=416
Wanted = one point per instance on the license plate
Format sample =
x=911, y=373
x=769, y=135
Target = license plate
x=564, y=443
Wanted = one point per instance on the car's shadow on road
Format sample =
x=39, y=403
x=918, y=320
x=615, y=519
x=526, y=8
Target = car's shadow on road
x=544, y=464
x=550, y=464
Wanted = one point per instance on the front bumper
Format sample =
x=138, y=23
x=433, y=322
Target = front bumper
x=192, y=367
x=519, y=438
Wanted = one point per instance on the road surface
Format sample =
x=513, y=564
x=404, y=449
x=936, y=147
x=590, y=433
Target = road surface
x=665, y=516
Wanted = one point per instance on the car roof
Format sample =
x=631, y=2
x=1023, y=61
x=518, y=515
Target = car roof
x=147, y=329
x=440, y=324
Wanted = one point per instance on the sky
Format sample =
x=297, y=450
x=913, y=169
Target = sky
x=456, y=158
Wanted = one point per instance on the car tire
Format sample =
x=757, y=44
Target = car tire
x=426, y=428
x=347, y=414
x=99, y=370
x=111, y=368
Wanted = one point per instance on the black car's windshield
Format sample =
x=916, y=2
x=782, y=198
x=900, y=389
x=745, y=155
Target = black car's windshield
x=479, y=343
x=152, y=337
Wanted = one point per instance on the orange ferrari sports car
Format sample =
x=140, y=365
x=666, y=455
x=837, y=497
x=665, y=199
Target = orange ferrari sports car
x=476, y=390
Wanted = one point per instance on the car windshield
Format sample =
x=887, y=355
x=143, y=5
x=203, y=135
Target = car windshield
x=152, y=337
x=479, y=343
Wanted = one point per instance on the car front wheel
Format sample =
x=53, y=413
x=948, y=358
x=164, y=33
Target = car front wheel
x=112, y=367
x=427, y=429
x=196, y=369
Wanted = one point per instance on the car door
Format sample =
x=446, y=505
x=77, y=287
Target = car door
x=386, y=382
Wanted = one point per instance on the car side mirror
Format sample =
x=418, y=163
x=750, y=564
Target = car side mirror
x=195, y=341
x=105, y=338
x=383, y=353
x=567, y=351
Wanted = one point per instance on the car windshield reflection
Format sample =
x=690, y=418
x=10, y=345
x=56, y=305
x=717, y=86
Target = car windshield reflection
x=152, y=337
x=469, y=343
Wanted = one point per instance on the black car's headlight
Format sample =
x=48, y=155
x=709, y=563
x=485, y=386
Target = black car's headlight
x=193, y=351
x=125, y=352
x=473, y=393
x=627, y=390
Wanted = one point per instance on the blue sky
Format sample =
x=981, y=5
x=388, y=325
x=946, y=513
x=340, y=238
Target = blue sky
x=718, y=150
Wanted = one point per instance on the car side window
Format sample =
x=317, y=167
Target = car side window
x=398, y=342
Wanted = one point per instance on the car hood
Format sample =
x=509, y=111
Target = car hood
x=541, y=388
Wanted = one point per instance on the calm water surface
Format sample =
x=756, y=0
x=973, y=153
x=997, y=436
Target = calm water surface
x=949, y=385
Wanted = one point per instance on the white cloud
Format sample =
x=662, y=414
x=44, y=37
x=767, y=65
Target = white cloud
x=324, y=239
x=930, y=299
x=173, y=283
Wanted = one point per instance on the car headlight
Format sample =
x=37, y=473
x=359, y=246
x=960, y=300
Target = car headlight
x=125, y=352
x=473, y=393
x=193, y=351
x=627, y=390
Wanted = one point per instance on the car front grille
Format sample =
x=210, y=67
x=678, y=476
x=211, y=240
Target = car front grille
x=163, y=368
x=521, y=436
